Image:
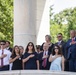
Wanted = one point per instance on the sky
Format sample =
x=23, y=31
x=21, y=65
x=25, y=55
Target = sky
x=60, y=5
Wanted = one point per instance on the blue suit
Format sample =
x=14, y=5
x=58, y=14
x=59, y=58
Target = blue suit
x=71, y=55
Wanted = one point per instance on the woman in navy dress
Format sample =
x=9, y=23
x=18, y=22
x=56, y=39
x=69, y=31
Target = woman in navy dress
x=30, y=58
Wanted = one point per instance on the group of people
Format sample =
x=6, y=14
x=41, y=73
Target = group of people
x=59, y=56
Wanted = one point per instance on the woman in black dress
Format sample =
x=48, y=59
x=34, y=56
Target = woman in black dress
x=16, y=58
x=30, y=58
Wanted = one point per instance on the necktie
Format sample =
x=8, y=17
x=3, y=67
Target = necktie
x=72, y=39
x=44, y=61
x=59, y=43
x=2, y=58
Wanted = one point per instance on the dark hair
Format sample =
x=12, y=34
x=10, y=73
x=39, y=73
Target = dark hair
x=38, y=46
x=8, y=42
x=21, y=47
x=59, y=33
x=59, y=50
x=3, y=41
x=33, y=49
x=13, y=51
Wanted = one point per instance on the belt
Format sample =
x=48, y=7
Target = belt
x=3, y=66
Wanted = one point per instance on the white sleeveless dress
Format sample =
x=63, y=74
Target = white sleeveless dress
x=56, y=64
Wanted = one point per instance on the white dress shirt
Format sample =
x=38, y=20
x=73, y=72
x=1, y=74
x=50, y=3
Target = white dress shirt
x=45, y=52
x=59, y=42
x=7, y=58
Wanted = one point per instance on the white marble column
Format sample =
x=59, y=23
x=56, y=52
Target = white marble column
x=24, y=22
x=43, y=20
x=29, y=21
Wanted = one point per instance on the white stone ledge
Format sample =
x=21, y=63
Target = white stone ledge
x=10, y=72
x=36, y=72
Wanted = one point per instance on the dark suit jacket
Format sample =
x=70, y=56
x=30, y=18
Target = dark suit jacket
x=62, y=44
x=10, y=49
x=71, y=49
x=41, y=60
x=50, y=48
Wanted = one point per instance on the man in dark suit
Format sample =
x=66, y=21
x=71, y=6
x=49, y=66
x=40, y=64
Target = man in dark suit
x=43, y=58
x=71, y=51
x=61, y=43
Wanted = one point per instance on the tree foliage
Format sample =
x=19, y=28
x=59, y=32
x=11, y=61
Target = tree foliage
x=62, y=22
x=6, y=20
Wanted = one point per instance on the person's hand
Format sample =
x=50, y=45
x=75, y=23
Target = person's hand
x=74, y=42
x=60, y=46
x=45, y=56
x=17, y=56
x=32, y=55
x=3, y=55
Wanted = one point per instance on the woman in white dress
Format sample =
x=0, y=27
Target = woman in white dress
x=56, y=59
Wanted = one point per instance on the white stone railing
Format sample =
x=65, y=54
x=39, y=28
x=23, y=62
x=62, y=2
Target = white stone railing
x=35, y=72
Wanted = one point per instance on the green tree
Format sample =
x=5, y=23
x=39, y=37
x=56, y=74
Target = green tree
x=6, y=20
x=63, y=22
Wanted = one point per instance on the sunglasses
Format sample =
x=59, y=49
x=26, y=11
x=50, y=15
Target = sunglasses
x=59, y=36
x=2, y=44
